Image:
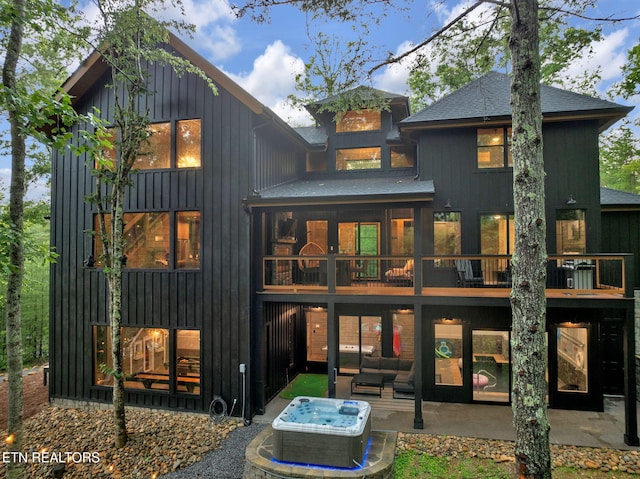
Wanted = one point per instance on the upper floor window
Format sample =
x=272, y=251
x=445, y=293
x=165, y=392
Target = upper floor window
x=402, y=157
x=447, y=233
x=359, y=120
x=147, y=240
x=494, y=148
x=157, y=152
x=497, y=234
x=570, y=232
x=359, y=158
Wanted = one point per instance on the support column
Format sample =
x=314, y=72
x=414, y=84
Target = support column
x=418, y=422
x=630, y=394
x=332, y=348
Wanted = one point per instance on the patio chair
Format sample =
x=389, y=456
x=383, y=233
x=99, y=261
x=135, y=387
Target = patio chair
x=311, y=268
x=467, y=277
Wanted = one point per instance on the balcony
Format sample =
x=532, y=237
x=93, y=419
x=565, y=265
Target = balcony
x=477, y=275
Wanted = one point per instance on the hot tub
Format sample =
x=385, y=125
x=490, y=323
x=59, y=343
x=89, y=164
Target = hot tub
x=322, y=431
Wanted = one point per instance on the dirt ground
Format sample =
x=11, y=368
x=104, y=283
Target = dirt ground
x=36, y=396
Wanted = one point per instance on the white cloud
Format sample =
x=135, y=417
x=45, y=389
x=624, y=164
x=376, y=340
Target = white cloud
x=272, y=78
x=608, y=55
x=395, y=76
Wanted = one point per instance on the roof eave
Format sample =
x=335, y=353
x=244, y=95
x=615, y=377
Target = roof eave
x=257, y=201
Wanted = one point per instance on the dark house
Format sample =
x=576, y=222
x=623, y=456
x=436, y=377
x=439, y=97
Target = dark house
x=378, y=242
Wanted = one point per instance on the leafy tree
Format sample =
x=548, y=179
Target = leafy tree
x=620, y=159
x=630, y=84
x=28, y=98
x=129, y=39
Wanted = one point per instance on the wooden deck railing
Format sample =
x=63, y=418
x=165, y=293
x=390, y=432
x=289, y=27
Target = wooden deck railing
x=565, y=274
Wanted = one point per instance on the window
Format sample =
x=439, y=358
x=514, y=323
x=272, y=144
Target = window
x=573, y=366
x=494, y=147
x=448, y=355
x=359, y=159
x=447, y=233
x=147, y=240
x=145, y=359
x=570, y=232
x=363, y=120
x=156, y=153
x=188, y=144
x=402, y=157
x=497, y=234
x=402, y=232
x=188, y=239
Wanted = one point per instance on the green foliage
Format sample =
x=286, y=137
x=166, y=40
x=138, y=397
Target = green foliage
x=630, y=84
x=412, y=464
x=620, y=159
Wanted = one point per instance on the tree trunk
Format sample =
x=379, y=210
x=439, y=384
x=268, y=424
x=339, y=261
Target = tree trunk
x=114, y=278
x=528, y=299
x=16, y=247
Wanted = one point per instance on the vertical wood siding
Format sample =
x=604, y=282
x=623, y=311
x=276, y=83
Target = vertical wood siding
x=215, y=299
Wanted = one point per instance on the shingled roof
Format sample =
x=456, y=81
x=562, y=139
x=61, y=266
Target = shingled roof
x=345, y=190
x=488, y=99
x=615, y=198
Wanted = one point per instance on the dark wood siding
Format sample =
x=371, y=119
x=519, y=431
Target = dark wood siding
x=449, y=158
x=214, y=300
x=621, y=234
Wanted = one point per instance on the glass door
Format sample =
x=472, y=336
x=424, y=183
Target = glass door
x=359, y=336
x=360, y=238
x=491, y=378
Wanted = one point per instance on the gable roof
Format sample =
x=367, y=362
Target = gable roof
x=610, y=198
x=399, y=104
x=93, y=67
x=488, y=99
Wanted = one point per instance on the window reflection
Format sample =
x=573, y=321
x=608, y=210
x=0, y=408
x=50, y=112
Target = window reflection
x=188, y=238
x=570, y=232
x=363, y=120
x=156, y=153
x=447, y=233
x=573, y=364
x=145, y=359
x=188, y=144
x=358, y=159
x=448, y=354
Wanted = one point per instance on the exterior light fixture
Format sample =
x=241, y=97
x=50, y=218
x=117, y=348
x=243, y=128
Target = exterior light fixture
x=571, y=201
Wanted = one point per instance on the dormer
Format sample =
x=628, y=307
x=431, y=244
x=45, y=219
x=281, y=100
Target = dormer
x=365, y=138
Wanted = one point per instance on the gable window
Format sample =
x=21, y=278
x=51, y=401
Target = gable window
x=494, y=148
x=570, y=232
x=147, y=237
x=156, y=153
x=358, y=159
x=447, y=233
x=359, y=120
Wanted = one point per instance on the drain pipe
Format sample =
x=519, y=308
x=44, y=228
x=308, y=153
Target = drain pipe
x=243, y=371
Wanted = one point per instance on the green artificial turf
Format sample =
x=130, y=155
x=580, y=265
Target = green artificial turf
x=314, y=385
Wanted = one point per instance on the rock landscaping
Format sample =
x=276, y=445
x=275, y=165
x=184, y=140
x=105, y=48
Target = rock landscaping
x=502, y=451
x=159, y=442
x=170, y=442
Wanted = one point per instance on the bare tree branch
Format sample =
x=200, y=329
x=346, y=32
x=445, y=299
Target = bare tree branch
x=449, y=25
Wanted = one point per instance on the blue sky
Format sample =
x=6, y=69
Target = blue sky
x=263, y=58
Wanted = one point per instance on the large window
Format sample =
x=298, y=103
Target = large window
x=573, y=365
x=570, y=232
x=147, y=237
x=146, y=358
x=448, y=354
x=359, y=159
x=402, y=232
x=494, y=147
x=497, y=234
x=447, y=233
x=156, y=153
x=362, y=120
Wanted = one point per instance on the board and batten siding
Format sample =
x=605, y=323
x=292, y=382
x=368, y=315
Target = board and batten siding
x=214, y=300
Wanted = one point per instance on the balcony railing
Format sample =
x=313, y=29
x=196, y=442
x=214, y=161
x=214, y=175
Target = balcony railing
x=567, y=274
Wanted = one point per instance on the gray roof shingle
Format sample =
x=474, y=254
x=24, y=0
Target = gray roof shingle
x=347, y=190
x=488, y=98
x=609, y=197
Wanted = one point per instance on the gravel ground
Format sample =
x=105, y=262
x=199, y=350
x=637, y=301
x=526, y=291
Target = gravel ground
x=226, y=462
